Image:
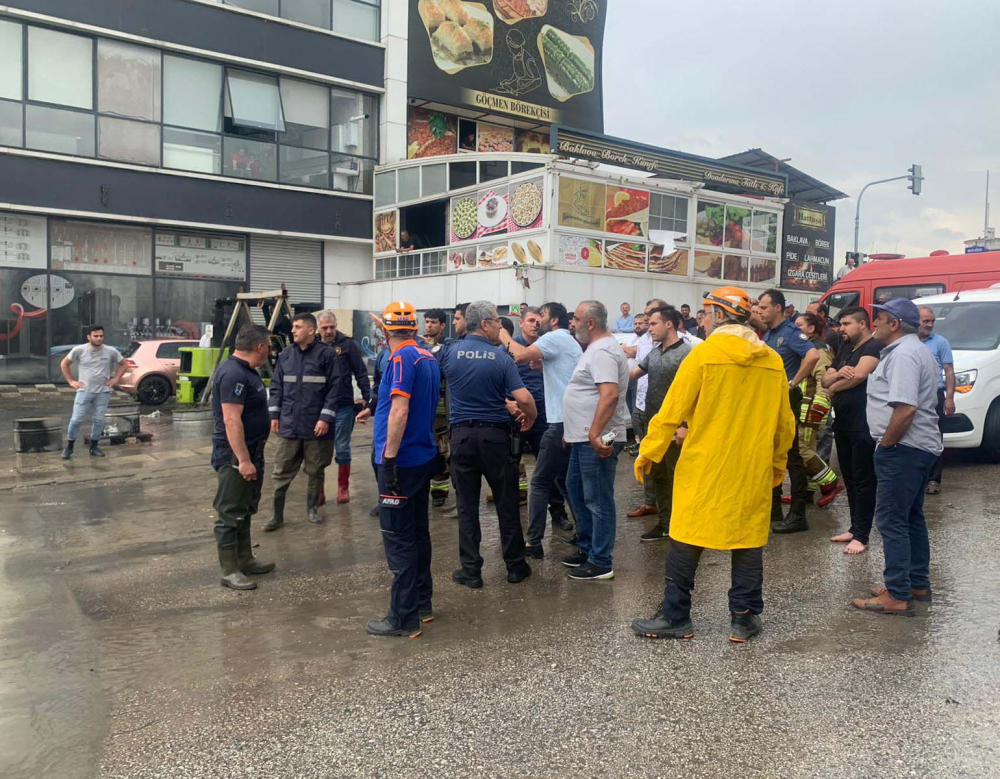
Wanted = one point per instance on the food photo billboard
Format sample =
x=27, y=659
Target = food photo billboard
x=807, y=247
x=539, y=60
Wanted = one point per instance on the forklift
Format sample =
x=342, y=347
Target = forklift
x=198, y=363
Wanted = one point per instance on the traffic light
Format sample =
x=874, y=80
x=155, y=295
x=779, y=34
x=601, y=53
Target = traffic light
x=916, y=178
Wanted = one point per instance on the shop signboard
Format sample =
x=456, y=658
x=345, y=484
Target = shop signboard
x=807, y=247
x=23, y=241
x=539, y=60
x=201, y=255
x=720, y=176
x=97, y=248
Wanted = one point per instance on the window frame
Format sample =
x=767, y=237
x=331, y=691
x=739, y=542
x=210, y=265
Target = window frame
x=373, y=4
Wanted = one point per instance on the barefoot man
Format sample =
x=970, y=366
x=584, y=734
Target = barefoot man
x=846, y=379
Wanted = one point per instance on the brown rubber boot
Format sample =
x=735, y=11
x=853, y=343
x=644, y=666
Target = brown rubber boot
x=343, y=482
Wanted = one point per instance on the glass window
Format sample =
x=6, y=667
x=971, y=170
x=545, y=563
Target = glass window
x=385, y=189
x=492, y=170
x=409, y=184
x=184, y=307
x=23, y=304
x=738, y=228
x=734, y=268
x=120, y=304
x=461, y=174
x=434, y=262
x=351, y=17
x=192, y=94
x=171, y=350
x=763, y=271
x=98, y=247
x=385, y=267
x=409, y=265
x=839, y=301
x=967, y=326
x=434, y=179
x=255, y=100
x=52, y=129
x=201, y=255
x=247, y=159
x=351, y=123
x=128, y=80
x=313, y=12
x=522, y=167
x=710, y=223
x=60, y=68
x=10, y=124
x=119, y=139
x=352, y=174
x=10, y=60
x=908, y=291
x=190, y=150
x=261, y=6
x=707, y=265
x=305, y=167
x=307, y=113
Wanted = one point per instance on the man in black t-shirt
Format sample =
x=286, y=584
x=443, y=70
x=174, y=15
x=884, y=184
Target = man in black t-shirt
x=242, y=424
x=847, y=379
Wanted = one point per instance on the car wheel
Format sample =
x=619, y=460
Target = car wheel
x=991, y=433
x=153, y=390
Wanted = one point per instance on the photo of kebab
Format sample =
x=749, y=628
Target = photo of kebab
x=512, y=11
x=627, y=211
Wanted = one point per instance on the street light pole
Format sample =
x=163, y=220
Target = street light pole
x=857, y=212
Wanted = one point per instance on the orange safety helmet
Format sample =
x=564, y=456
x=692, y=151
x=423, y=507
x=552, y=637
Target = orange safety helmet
x=399, y=316
x=731, y=299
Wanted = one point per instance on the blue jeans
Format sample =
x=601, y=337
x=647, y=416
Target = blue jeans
x=88, y=401
x=902, y=473
x=590, y=488
x=343, y=427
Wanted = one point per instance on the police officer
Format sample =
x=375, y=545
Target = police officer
x=480, y=376
x=799, y=357
x=407, y=457
x=348, y=363
x=303, y=405
x=239, y=407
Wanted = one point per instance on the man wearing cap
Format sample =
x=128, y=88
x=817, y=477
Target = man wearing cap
x=406, y=455
x=732, y=393
x=941, y=350
x=902, y=417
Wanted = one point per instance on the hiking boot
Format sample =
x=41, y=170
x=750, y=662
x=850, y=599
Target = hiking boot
x=560, y=520
x=795, y=522
x=658, y=627
x=829, y=493
x=468, y=580
x=232, y=576
x=591, y=572
x=314, y=516
x=518, y=573
x=426, y=615
x=95, y=451
x=923, y=596
x=68, y=451
x=656, y=534
x=744, y=626
x=571, y=540
x=383, y=627
x=933, y=488
x=278, y=517
x=885, y=604
x=534, y=551
x=575, y=560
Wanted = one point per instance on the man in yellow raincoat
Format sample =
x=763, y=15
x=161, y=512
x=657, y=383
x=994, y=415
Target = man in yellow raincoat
x=732, y=393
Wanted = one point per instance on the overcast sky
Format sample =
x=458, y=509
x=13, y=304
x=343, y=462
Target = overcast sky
x=851, y=90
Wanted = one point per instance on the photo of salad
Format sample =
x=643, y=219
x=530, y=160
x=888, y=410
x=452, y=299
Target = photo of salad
x=710, y=223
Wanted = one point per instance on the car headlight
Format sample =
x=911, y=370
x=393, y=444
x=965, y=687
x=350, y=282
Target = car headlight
x=965, y=381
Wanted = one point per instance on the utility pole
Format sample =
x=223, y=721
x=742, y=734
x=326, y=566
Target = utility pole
x=915, y=177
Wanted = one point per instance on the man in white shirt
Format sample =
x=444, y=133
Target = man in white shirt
x=639, y=327
x=100, y=368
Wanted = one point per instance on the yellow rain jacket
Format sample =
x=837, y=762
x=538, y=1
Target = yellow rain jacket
x=733, y=393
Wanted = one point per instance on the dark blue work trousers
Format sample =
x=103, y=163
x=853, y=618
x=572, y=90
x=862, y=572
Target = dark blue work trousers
x=746, y=592
x=407, y=541
x=903, y=472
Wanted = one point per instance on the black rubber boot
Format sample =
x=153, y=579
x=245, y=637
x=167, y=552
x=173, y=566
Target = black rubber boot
x=278, y=517
x=232, y=576
x=68, y=451
x=796, y=520
x=744, y=626
x=249, y=564
x=95, y=451
x=312, y=513
x=776, y=513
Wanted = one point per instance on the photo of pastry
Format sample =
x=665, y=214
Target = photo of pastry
x=625, y=256
x=526, y=204
x=461, y=34
x=513, y=11
x=494, y=255
x=527, y=252
x=568, y=62
x=675, y=263
x=495, y=138
x=460, y=259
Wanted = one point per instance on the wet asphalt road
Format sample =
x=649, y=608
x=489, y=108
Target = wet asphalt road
x=121, y=656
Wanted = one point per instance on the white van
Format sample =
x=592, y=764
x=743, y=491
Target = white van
x=970, y=320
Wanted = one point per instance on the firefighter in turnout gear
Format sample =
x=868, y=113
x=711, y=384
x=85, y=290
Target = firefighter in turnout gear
x=435, y=322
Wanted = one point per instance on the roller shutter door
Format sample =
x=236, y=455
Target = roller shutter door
x=296, y=264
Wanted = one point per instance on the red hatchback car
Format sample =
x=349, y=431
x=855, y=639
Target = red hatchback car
x=152, y=369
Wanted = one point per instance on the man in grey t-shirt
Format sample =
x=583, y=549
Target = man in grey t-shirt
x=594, y=408
x=660, y=366
x=902, y=418
x=99, y=368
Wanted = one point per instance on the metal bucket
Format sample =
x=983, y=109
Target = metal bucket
x=37, y=434
x=193, y=422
